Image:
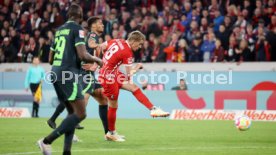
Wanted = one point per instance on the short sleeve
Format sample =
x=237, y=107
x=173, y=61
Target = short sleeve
x=79, y=36
x=92, y=36
x=127, y=58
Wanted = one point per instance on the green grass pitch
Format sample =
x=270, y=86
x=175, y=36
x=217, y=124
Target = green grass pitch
x=151, y=136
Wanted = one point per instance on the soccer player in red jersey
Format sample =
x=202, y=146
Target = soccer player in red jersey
x=118, y=52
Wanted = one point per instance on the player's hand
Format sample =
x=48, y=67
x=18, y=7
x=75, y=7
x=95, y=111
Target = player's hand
x=139, y=66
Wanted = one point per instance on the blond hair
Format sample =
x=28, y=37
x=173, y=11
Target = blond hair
x=136, y=36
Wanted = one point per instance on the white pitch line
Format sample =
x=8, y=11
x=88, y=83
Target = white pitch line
x=150, y=149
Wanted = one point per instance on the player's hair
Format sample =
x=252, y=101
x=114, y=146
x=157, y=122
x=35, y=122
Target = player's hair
x=74, y=12
x=136, y=36
x=92, y=20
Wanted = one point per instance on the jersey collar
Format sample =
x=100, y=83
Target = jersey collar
x=70, y=21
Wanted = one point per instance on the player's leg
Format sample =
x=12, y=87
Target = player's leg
x=33, y=87
x=37, y=109
x=141, y=97
x=112, y=135
x=79, y=109
x=33, y=110
x=59, y=109
x=69, y=123
x=136, y=91
x=111, y=91
x=103, y=106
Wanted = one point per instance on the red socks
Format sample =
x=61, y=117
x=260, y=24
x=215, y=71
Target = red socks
x=111, y=117
x=142, y=98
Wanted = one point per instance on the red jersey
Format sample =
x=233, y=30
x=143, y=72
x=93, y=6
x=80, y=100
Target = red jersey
x=117, y=52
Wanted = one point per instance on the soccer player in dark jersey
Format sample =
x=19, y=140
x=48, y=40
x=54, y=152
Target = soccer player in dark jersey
x=67, y=52
x=91, y=86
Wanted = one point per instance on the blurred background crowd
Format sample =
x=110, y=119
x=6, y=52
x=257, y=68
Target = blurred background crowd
x=176, y=30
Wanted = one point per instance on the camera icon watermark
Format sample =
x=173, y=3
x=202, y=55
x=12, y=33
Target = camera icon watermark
x=50, y=77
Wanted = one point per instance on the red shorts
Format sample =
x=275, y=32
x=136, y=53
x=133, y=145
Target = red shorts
x=112, y=85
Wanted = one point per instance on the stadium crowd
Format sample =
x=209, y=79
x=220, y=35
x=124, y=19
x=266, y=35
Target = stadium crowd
x=176, y=30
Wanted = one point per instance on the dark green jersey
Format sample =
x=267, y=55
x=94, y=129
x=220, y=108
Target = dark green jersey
x=66, y=60
x=90, y=36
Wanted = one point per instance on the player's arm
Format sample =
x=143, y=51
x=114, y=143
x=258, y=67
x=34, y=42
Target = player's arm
x=137, y=67
x=51, y=57
x=85, y=56
x=81, y=49
x=52, y=53
x=130, y=71
x=101, y=47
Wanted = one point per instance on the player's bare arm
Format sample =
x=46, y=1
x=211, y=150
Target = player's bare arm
x=51, y=57
x=85, y=56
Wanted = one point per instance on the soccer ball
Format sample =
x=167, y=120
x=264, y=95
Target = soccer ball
x=243, y=123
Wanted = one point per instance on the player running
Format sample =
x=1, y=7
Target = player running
x=117, y=52
x=68, y=51
x=91, y=86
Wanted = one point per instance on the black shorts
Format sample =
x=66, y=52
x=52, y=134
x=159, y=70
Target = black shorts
x=69, y=91
x=90, y=85
x=34, y=87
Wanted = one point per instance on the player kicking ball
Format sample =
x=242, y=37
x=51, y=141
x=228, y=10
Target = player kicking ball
x=117, y=52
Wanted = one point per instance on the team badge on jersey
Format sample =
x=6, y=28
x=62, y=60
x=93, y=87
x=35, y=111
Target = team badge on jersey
x=81, y=33
x=92, y=36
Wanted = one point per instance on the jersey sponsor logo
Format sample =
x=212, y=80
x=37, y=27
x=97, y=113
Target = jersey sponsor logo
x=81, y=33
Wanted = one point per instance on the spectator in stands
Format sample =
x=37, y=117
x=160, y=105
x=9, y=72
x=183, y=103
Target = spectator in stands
x=170, y=49
x=164, y=38
x=24, y=25
x=250, y=37
x=9, y=51
x=218, y=20
x=271, y=37
x=203, y=26
x=56, y=18
x=273, y=22
x=181, y=52
x=223, y=36
x=44, y=49
x=3, y=35
x=195, y=54
x=146, y=52
x=33, y=80
x=208, y=47
x=241, y=23
x=35, y=20
x=13, y=19
x=218, y=55
x=230, y=51
x=2, y=56
x=30, y=50
x=182, y=85
x=248, y=6
x=193, y=31
x=262, y=46
x=158, y=54
x=243, y=53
